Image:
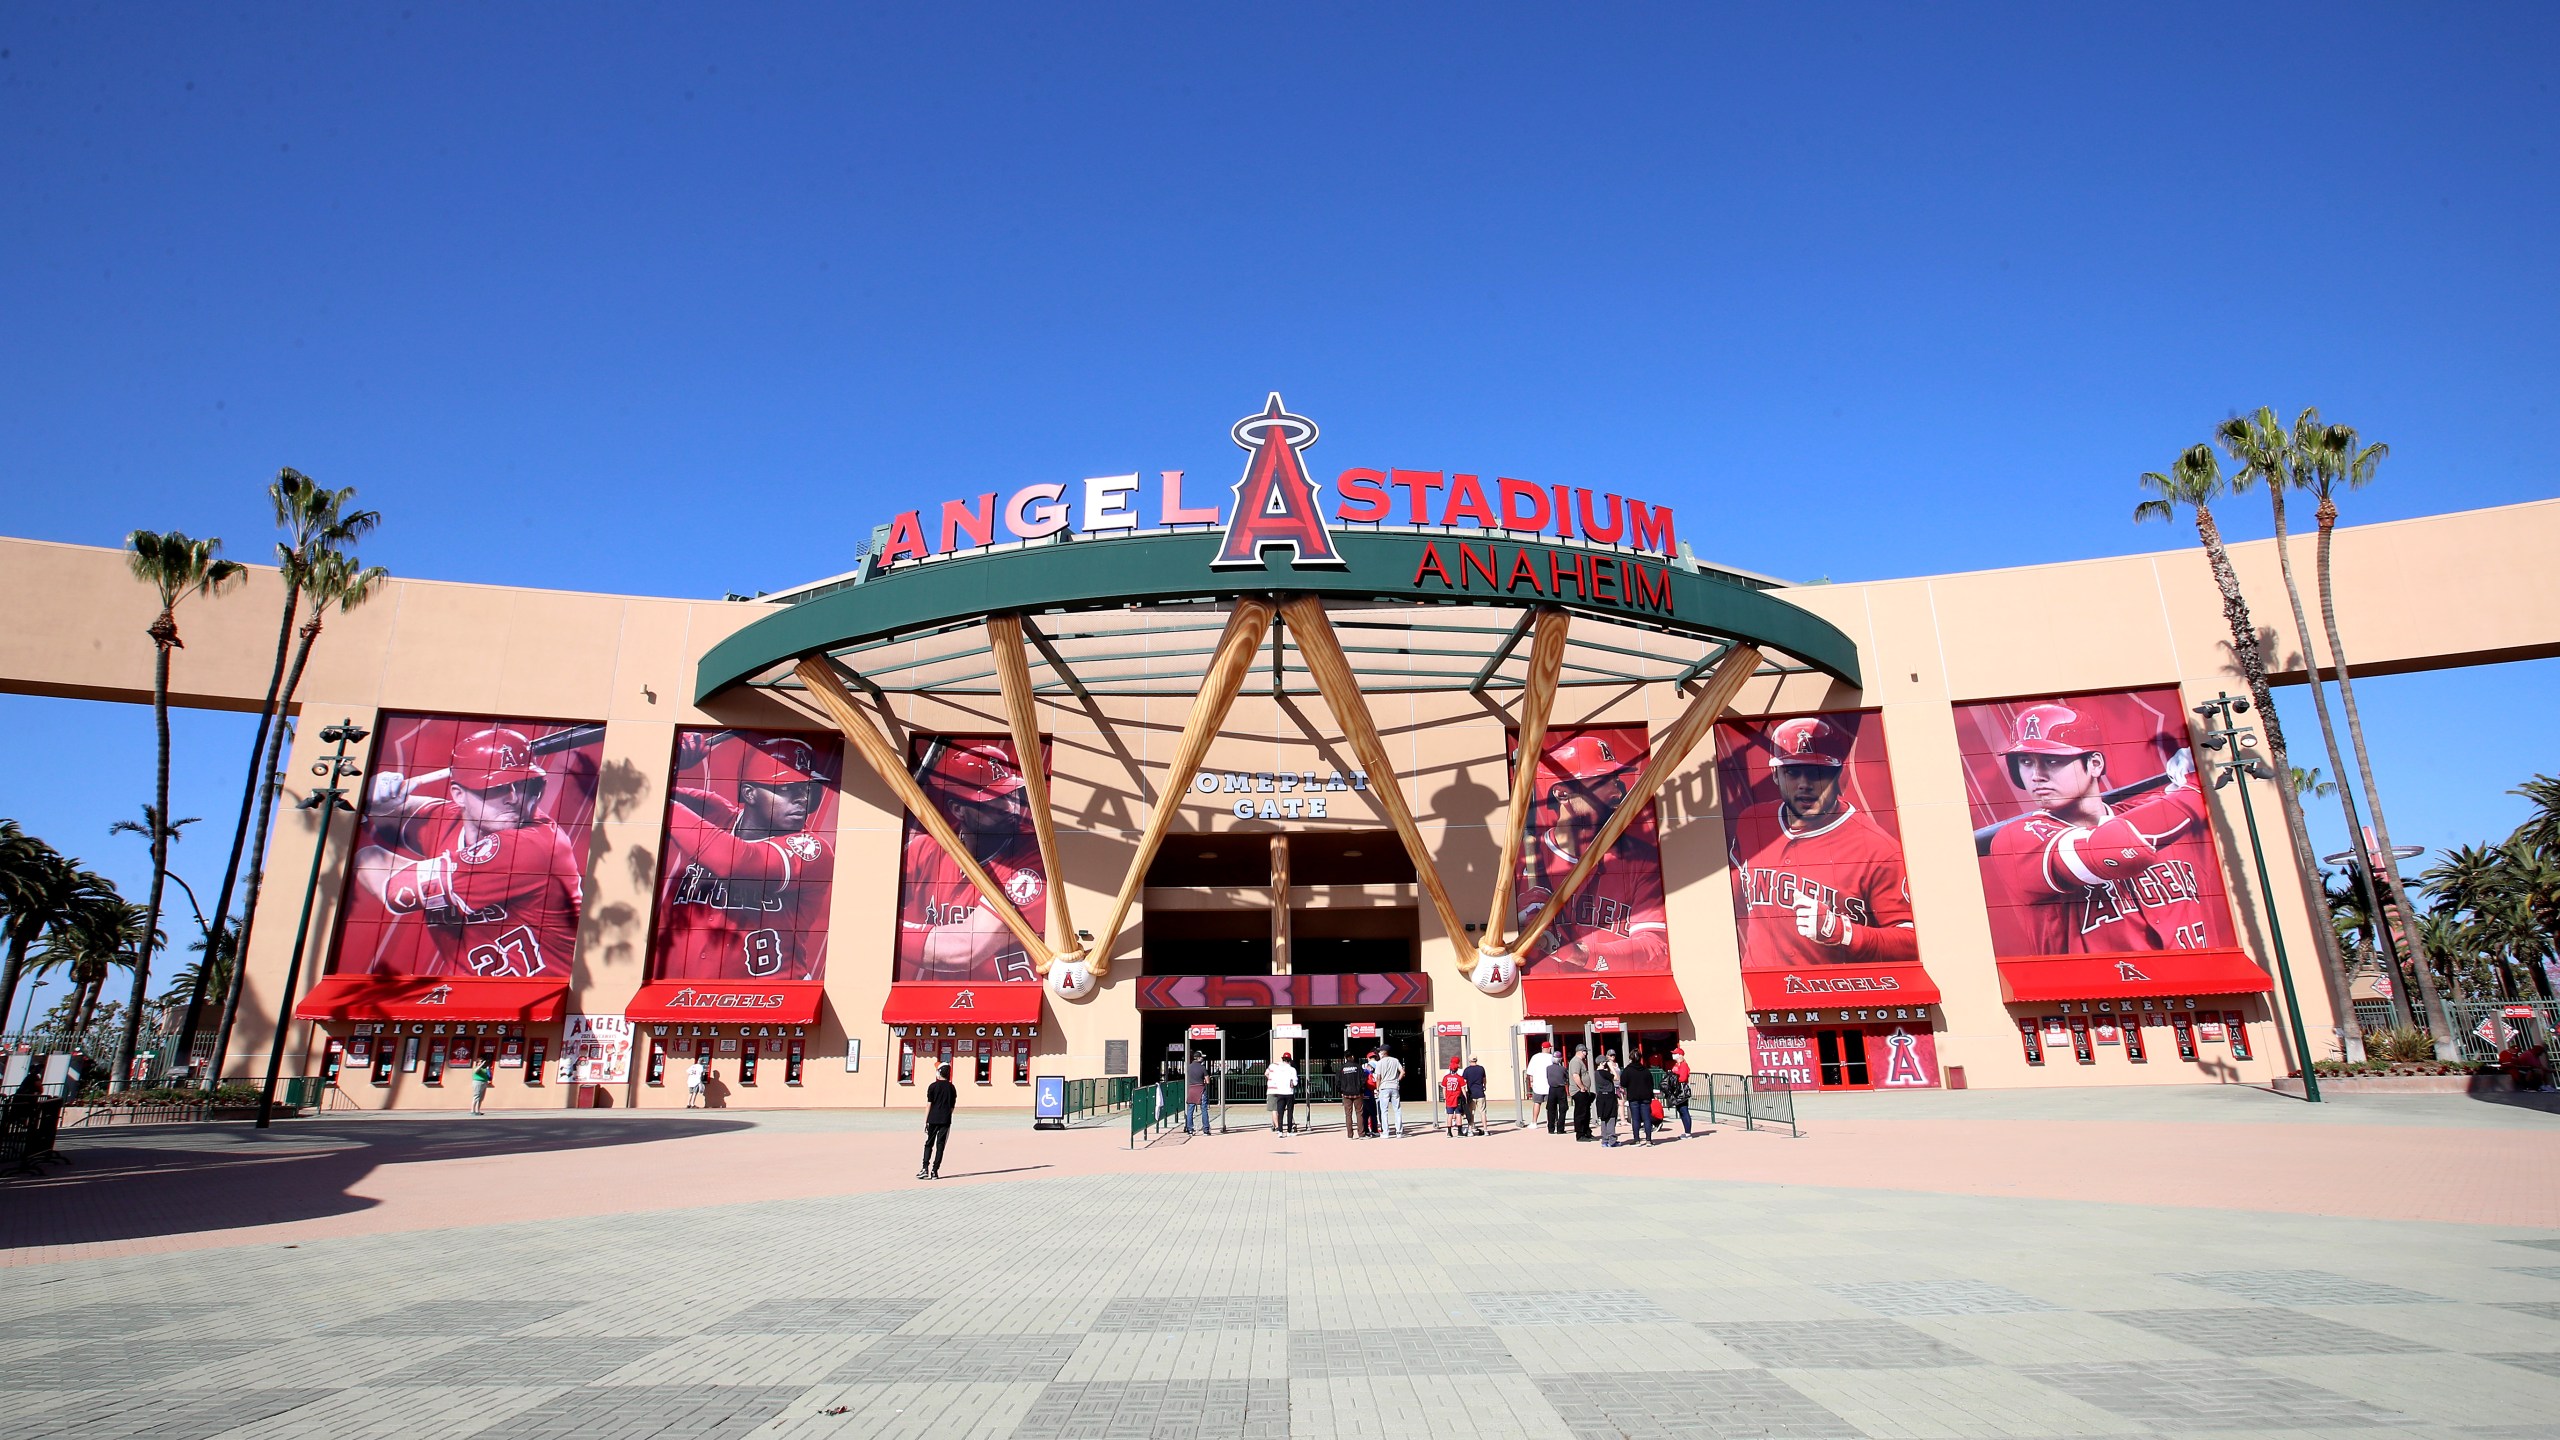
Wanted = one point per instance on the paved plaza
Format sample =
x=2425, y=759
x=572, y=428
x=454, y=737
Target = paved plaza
x=737, y=1274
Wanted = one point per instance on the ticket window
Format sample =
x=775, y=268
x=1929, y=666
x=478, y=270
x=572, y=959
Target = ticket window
x=943, y=1052
x=702, y=1054
x=791, y=1062
x=383, y=1059
x=657, y=1073
x=536, y=1054
x=1840, y=1058
x=332, y=1060
x=985, y=1060
x=906, y=1060
x=747, y=1056
x=436, y=1050
x=1022, y=1060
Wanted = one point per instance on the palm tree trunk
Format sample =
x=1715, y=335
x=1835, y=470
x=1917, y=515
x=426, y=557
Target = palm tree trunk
x=258, y=861
x=2388, y=951
x=2306, y=856
x=267, y=719
x=163, y=638
x=20, y=937
x=2254, y=675
x=2447, y=1045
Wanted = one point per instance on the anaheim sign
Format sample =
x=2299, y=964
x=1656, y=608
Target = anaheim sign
x=1277, y=503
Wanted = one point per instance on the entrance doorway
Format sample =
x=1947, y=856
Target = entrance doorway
x=1841, y=1059
x=1399, y=1034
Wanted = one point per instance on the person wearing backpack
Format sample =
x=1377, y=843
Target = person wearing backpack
x=1637, y=1085
x=1604, y=1098
x=1676, y=1093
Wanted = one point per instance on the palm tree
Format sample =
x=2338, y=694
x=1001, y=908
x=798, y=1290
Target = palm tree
x=2195, y=481
x=2345, y=460
x=314, y=519
x=35, y=890
x=2498, y=890
x=2310, y=782
x=334, y=580
x=2264, y=451
x=99, y=931
x=2542, y=829
x=177, y=567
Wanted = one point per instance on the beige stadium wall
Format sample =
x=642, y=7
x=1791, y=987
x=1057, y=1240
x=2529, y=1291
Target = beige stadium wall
x=2464, y=588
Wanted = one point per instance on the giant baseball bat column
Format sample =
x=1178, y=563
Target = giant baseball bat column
x=1341, y=690
x=1229, y=664
x=1723, y=683
x=1537, y=702
x=1013, y=674
x=883, y=758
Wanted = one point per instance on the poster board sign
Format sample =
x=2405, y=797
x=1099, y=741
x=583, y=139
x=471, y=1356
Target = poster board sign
x=1207, y=1032
x=596, y=1049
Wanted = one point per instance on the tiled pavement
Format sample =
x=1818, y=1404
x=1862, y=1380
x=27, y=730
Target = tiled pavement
x=1438, y=1302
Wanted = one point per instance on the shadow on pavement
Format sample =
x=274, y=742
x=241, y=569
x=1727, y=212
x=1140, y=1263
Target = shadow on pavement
x=150, y=1182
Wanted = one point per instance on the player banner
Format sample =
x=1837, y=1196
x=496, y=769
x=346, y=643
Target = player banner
x=1615, y=924
x=1816, y=858
x=943, y=932
x=749, y=860
x=470, y=846
x=2091, y=830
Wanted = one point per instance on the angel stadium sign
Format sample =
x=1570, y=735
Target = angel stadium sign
x=1278, y=504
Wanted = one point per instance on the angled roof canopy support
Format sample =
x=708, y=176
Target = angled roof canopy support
x=1668, y=755
x=1013, y=673
x=1546, y=662
x=819, y=674
x=1341, y=690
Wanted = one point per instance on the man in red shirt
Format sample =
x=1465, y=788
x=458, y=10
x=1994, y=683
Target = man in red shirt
x=944, y=933
x=493, y=884
x=1815, y=882
x=746, y=891
x=1616, y=921
x=2078, y=875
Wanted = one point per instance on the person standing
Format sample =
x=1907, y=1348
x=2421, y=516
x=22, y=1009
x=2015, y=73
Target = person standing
x=1353, y=1083
x=1280, y=1082
x=1579, y=1079
x=1542, y=1079
x=1195, y=1092
x=1677, y=1096
x=1475, y=1093
x=1369, y=1095
x=1453, y=1100
x=696, y=1075
x=480, y=1078
x=1604, y=1098
x=1637, y=1086
x=939, y=1097
x=1389, y=1073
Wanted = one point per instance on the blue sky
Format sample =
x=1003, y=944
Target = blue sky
x=682, y=300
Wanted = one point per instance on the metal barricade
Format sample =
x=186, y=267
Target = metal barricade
x=1153, y=1108
x=2489, y=1028
x=1751, y=1099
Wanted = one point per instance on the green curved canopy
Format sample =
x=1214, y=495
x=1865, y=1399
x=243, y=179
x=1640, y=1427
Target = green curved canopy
x=1382, y=570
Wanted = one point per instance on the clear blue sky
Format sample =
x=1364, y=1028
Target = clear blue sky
x=681, y=300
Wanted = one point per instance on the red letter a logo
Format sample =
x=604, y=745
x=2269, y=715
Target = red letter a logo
x=1275, y=501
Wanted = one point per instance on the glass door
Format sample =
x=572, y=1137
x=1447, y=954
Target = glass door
x=1843, y=1058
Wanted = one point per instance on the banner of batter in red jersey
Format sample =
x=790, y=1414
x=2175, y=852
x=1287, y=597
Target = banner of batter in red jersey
x=2091, y=830
x=469, y=848
x=1615, y=923
x=1816, y=852
x=749, y=862
x=943, y=932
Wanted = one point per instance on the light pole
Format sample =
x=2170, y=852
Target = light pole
x=2229, y=740
x=329, y=799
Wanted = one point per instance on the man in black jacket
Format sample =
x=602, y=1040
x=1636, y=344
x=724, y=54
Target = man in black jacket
x=939, y=1097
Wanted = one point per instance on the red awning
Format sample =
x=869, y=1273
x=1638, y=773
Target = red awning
x=944, y=1002
x=1560, y=996
x=727, y=1002
x=1899, y=983
x=434, y=997
x=2148, y=975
